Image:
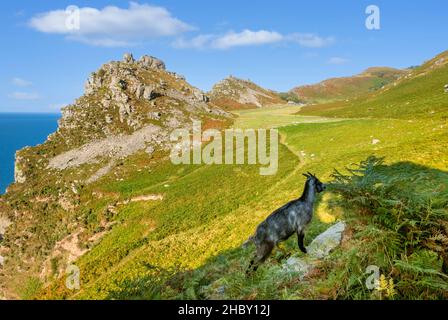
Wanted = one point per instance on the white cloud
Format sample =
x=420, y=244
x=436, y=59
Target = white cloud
x=229, y=40
x=24, y=95
x=251, y=38
x=310, y=40
x=111, y=25
x=102, y=42
x=246, y=38
x=198, y=42
x=19, y=82
x=337, y=60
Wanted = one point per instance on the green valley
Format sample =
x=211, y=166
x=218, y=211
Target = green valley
x=149, y=229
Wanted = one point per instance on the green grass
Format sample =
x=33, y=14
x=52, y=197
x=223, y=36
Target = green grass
x=188, y=245
x=199, y=216
x=335, y=145
x=421, y=96
x=30, y=289
x=273, y=117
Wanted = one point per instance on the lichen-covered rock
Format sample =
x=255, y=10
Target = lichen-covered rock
x=151, y=62
x=19, y=175
x=301, y=265
x=321, y=246
x=155, y=115
x=93, y=83
x=128, y=58
x=4, y=223
x=109, y=118
x=297, y=266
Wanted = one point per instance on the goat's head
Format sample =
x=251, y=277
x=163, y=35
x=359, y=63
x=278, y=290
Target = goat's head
x=315, y=182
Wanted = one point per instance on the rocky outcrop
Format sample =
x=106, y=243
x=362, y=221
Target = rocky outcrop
x=234, y=93
x=128, y=58
x=128, y=106
x=4, y=223
x=319, y=248
x=324, y=243
x=151, y=62
x=19, y=176
x=112, y=147
x=129, y=87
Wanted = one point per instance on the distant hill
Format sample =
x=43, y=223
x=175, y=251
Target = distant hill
x=336, y=89
x=420, y=93
x=233, y=93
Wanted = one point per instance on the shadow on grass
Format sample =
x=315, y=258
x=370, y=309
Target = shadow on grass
x=405, y=198
x=228, y=269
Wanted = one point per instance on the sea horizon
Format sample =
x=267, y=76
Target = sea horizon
x=21, y=129
x=25, y=112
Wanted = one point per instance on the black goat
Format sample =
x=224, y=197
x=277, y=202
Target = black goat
x=281, y=224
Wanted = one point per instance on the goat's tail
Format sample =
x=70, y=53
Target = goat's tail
x=248, y=241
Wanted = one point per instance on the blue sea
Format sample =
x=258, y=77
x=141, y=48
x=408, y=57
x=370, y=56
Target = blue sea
x=17, y=131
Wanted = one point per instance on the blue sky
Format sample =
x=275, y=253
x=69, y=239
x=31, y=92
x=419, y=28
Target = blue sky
x=278, y=44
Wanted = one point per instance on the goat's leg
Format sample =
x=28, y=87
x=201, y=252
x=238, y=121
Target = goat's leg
x=266, y=251
x=263, y=252
x=249, y=269
x=255, y=260
x=253, y=263
x=283, y=250
x=300, y=237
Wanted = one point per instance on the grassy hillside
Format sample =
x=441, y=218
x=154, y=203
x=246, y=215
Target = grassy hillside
x=273, y=117
x=420, y=94
x=337, y=89
x=188, y=245
x=202, y=213
x=153, y=230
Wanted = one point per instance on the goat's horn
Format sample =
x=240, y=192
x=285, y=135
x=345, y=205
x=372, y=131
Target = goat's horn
x=306, y=175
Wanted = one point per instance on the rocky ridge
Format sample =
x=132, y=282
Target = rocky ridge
x=234, y=93
x=128, y=105
x=129, y=109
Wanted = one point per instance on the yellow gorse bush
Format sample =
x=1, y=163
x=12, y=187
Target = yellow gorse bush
x=386, y=287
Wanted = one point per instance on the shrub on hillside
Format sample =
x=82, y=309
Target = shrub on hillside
x=413, y=220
